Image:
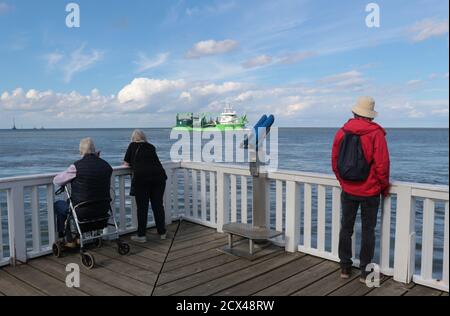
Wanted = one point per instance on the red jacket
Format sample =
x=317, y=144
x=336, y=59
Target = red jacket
x=373, y=141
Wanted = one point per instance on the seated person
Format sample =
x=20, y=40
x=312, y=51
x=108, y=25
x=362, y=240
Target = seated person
x=90, y=180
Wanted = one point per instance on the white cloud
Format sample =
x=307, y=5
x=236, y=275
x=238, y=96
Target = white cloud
x=352, y=79
x=213, y=89
x=145, y=63
x=53, y=59
x=140, y=92
x=258, y=61
x=5, y=8
x=212, y=47
x=186, y=96
x=80, y=61
x=295, y=58
x=429, y=28
x=293, y=109
x=325, y=102
x=414, y=83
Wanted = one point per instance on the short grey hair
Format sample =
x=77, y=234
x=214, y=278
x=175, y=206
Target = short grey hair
x=87, y=146
x=138, y=136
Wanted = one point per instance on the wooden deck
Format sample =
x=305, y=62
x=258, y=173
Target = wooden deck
x=189, y=264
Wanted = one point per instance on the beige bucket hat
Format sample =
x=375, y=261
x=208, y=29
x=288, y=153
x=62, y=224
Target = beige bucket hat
x=365, y=107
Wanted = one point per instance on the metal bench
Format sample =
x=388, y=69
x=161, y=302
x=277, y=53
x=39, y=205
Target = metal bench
x=250, y=232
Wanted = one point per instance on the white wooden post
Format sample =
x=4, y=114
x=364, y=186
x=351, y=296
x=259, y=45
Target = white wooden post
x=194, y=194
x=244, y=200
x=336, y=221
x=122, y=215
x=279, y=206
x=51, y=214
x=203, y=195
x=233, y=198
x=223, y=202
x=212, y=197
x=35, y=219
x=292, y=217
x=308, y=215
x=268, y=206
x=16, y=218
x=385, y=252
x=1, y=233
x=446, y=247
x=176, y=206
x=187, y=197
x=404, y=261
x=428, y=239
x=321, y=220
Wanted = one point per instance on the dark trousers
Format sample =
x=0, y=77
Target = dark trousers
x=154, y=193
x=369, y=214
x=62, y=211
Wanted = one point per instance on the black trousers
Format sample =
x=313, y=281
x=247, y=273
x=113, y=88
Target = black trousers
x=369, y=214
x=150, y=193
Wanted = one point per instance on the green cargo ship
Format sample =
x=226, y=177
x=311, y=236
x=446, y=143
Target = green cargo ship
x=228, y=120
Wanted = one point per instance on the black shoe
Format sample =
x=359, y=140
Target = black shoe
x=346, y=273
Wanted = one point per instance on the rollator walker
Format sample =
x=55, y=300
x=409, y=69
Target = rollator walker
x=90, y=231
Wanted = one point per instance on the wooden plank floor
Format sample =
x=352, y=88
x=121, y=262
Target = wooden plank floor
x=189, y=264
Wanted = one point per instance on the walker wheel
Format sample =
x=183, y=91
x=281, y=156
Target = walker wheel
x=87, y=260
x=123, y=249
x=57, y=250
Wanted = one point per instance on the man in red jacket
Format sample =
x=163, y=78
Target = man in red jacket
x=365, y=194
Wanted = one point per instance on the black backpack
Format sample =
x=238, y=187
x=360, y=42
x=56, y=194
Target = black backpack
x=352, y=163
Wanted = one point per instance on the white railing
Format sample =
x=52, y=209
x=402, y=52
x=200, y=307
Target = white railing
x=27, y=228
x=305, y=206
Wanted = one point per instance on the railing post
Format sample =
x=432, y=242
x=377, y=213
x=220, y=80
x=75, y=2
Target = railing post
x=16, y=218
x=404, y=260
x=336, y=221
x=292, y=217
x=446, y=247
x=51, y=214
x=223, y=203
x=122, y=205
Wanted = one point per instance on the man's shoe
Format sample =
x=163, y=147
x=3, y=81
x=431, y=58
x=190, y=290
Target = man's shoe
x=346, y=273
x=163, y=236
x=140, y=240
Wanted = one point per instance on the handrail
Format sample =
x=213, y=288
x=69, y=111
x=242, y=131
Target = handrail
x=300, y=204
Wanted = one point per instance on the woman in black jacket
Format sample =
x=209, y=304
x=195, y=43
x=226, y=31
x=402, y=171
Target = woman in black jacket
x=148, y=184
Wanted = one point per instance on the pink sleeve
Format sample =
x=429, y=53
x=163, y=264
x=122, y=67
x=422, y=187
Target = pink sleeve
x=66, y=176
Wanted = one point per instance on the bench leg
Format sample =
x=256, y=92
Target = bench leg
x=251, y=246
x=230, y=241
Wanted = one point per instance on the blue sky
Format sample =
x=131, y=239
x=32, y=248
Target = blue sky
x=137, y=63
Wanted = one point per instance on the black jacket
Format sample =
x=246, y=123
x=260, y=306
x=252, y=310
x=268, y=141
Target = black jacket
x=93, y=181
x=144, y=161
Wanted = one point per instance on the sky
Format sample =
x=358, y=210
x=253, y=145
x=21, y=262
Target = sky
x=137, y=63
